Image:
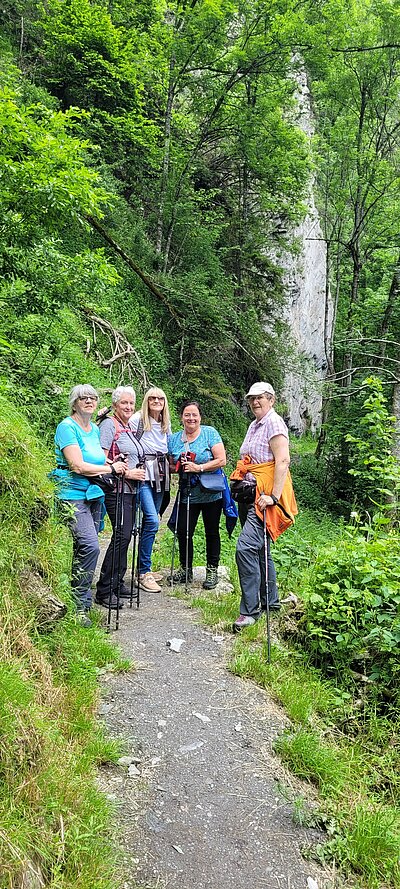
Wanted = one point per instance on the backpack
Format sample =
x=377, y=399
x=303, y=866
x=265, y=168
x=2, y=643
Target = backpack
x=118, y=430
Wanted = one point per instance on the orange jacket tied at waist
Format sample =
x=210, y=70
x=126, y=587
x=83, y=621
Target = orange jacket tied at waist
x=276, y=520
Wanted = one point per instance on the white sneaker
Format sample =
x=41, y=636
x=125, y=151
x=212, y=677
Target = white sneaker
x=147, y=582
x=157, y=575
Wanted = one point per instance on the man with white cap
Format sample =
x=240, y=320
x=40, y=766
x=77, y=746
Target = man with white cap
x=266, y=441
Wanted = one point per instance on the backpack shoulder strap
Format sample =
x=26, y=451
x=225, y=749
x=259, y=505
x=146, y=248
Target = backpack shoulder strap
x=114, y=449
x=140, y=429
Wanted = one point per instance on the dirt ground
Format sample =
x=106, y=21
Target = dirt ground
x=202, y=801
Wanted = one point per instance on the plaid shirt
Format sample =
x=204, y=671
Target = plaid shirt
x=259, y=433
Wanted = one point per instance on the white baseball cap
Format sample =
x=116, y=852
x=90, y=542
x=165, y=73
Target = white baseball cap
x=260, y=389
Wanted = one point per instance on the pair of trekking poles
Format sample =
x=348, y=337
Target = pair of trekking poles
x=178, y=503
x=136, y=537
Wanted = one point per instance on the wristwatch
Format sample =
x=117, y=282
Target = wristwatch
x=275, y=499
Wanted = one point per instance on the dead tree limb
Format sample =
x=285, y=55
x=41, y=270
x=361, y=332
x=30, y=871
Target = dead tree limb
x=135, y=268
x=123, y=355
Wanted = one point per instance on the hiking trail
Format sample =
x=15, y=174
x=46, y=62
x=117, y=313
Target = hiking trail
x=198, y=795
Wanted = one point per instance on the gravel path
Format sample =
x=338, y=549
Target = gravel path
x=198, y=795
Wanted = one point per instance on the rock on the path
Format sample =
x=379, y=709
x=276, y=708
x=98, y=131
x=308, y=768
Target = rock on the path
x=174, y=644
x=201, y=716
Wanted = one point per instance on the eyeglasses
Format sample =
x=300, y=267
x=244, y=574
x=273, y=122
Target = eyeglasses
x=88, y=398
x=155, y=398
x=257, y=397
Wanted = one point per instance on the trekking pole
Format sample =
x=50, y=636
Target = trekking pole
x=114, y=553
x=134, y=547
x=119, y=526
x=178, y=503
x=187, y=533
x=266, y=588
x=139, y=532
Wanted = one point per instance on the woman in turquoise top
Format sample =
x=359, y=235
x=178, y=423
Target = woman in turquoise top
x=206, y=446
x=80, y=457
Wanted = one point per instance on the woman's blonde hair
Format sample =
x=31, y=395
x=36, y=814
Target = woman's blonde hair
x=145, y=412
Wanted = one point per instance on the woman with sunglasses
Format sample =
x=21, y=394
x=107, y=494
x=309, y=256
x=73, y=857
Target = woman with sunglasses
x=152, y=426
x=80, y=458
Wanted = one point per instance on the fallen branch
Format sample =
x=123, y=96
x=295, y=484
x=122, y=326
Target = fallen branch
x=122, y=351
x=135, y=268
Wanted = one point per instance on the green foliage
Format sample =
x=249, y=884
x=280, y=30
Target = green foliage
x=352, y=616
x=175, y=167
x=373, y=465
x=341, y=742
x=51, y=812
x=356, y=150
x=310, y=759
x=368, y=844
x=310, y=483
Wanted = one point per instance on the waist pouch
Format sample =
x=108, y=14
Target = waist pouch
x=243, y=491
x=212, y=481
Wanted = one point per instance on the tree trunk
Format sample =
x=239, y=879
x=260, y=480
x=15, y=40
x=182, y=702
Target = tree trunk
x=394, y=294
x=396, y=413
x=167, y=146
x=354, y=244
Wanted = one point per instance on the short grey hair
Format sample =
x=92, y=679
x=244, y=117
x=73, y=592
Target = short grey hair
x=120, y=391
x=80, y=392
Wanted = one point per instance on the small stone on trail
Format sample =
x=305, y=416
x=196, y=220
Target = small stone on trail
x=175, y=644
x=162, y=723
x=188, y=748
x=178, y=849
x=126, y=760
x=238, y=727
x=218, y=639
x=133, y=772
x=311, y=884
x=201, y=716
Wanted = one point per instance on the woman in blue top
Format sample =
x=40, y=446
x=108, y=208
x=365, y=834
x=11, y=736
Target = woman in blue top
x=80, y=457
x=205, y=443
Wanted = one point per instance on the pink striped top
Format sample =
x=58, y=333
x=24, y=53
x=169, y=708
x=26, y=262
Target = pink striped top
x=258, y=436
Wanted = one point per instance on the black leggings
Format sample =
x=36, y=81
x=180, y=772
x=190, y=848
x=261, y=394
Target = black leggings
x=211, y=513
x=121, y=552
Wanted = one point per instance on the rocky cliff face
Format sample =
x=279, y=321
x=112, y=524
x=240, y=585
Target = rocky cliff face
x=304, y=281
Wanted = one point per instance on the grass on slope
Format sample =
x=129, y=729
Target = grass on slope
x=53, y=819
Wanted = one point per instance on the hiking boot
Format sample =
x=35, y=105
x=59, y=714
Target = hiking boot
x=83, y=619
x=147, y=583
x=244, y=620
x=180, y=577
x=105, y=602
x=273, y=606
x=125, y=593
x=211, y=578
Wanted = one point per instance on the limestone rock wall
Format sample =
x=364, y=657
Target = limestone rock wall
x=304, y=281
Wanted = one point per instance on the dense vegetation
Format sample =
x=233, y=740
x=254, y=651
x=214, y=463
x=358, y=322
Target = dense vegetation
x=55, y=824
x=151, y=175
